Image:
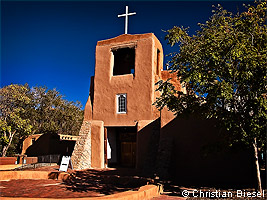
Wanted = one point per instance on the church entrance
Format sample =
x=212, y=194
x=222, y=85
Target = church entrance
x=121, y=147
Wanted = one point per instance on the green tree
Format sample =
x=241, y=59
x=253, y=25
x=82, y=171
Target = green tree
x=51, y=113
x=14, y=102
x=37, y=110
x=223, y=67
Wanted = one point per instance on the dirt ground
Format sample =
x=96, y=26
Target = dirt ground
x=84, y=183
x=100, y=182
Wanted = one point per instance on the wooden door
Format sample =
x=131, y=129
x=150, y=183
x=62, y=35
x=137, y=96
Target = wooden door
x=128, y=154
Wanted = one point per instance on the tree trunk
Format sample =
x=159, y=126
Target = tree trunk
x=8, y=145
x=257, y=165
x=4, y=151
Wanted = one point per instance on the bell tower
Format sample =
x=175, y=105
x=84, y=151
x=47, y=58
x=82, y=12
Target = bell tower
x=120, y=103
x=126, y=69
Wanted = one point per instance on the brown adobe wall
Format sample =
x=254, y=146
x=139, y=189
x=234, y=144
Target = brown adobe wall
x=124, y=38
x=194, y=158
x=140, y=88
x=97, y=144
x=166, y=74
x=12, y=160
x=50, y=144
x=166, y=115
x=148, y=136
x=192, y=151
x=88, y=110
x=28, y=142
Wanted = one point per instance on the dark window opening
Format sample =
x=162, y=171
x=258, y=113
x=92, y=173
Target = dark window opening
x=124, y=61
x=158, y=57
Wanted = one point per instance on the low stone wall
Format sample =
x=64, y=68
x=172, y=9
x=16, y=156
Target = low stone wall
x=12, y=160
x=8, y=175
x=81, y=156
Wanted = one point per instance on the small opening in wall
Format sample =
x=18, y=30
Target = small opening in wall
x=158, y=57
x=124, y=61
x=121, y=103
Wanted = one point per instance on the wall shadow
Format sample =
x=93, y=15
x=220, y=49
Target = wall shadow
x=50, y=144
x=199, y=155
x=147, y=148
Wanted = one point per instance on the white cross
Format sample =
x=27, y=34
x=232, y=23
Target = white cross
x=126, y=18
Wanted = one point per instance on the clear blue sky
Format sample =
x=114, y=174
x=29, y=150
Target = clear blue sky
x=52, y=43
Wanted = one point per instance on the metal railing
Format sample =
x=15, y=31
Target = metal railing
x=49, y=158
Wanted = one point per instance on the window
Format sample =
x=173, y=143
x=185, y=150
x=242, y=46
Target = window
x=121, y=103
x=124, y=61
x=158, y=60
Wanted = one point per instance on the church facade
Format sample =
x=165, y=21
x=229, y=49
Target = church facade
x=121, y=97
x=122, y=128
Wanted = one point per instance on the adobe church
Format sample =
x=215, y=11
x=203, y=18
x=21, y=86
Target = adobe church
x=121, y=96
x=122, y=128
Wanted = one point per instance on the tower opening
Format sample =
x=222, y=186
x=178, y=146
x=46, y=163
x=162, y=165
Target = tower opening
x=124, y=61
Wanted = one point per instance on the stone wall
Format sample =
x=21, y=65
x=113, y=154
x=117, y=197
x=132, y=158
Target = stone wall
x=81, y=156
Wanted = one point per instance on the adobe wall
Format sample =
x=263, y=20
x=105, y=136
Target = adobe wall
x=148, y=135
x=88, y=110
x=97, y=144
x=50, y=144
x=195, y=158
x=140, y=88
x=166, y=115
x=89, y=148
x=192, y=151
x=144, y=130
x=12, y=160
x=168, y=74
x=28, y=142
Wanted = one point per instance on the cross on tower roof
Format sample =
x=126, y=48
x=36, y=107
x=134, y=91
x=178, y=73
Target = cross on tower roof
x=126, y=18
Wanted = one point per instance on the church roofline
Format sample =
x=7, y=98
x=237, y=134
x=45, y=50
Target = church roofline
x=125, y=38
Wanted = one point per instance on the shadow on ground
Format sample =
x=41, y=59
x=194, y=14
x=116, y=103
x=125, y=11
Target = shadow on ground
x=175, y=190
x=105, y=181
